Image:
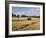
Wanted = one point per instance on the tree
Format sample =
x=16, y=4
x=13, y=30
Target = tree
x=23, y=16
x=18, y=16
x=13, y=15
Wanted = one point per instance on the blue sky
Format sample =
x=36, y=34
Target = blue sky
x=29, y=11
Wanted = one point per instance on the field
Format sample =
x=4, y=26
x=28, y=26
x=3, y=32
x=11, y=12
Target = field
x=21, y=23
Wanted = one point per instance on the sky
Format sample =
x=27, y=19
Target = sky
x=28, y=11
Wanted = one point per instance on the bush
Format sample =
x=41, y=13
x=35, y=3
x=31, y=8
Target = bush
x=29, y=19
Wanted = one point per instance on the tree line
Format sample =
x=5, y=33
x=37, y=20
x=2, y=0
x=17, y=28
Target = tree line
x=25, y=16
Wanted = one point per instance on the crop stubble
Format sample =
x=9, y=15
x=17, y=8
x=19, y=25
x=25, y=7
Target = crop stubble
x=21, y=25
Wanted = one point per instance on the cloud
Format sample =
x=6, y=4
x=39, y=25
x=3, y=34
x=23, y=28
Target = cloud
x=29, y=11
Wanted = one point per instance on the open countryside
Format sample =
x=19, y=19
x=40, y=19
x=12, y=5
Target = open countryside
x=25, y=18
x=22, y=23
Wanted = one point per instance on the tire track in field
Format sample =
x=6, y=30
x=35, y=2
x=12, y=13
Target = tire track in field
x=23, y=27
x=27, y=25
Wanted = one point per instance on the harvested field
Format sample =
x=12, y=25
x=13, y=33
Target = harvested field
x=21, y=24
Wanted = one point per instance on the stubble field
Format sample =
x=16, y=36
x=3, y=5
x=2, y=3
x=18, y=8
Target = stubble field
x=22, y=24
